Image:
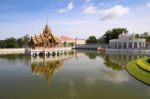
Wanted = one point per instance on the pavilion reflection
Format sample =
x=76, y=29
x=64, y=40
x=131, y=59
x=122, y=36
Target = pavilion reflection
x=46, y=69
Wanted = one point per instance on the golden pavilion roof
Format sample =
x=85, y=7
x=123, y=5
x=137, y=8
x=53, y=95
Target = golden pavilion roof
x=45, y=36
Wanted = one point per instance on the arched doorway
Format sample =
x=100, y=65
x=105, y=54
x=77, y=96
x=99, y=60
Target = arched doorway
x=124, y=45
x=130, y=45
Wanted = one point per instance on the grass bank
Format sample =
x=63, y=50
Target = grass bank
x=137, y=72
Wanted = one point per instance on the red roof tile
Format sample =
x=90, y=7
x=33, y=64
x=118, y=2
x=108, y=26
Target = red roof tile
x=65, y=38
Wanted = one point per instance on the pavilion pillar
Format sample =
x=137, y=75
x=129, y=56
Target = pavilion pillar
x=144, y=45
x=132, y=44
x=138, y=45
x=127, y=45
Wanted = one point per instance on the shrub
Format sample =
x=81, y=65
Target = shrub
x=142, y=63
x=148, y=60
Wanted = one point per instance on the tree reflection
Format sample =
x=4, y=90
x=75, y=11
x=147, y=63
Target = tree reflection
x=47, y=69
x=117, y=61
x=114, y=66
x=14, y=57
x=91, y=55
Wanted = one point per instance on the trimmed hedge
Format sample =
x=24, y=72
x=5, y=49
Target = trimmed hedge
x=148, y=60
x=143, y=64
x=137, y=72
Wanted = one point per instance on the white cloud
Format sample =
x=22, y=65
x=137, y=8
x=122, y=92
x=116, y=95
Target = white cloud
x=90, y=10
x=114, y=12
x=69, y=7
x=148, y=5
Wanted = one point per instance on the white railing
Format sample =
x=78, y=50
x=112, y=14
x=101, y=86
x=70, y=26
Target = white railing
x=128, y=50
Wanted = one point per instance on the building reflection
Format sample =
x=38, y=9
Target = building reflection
x=114, y=60
x=117, y=61
x=47, y=67
x=111, y=64
x=91, y=54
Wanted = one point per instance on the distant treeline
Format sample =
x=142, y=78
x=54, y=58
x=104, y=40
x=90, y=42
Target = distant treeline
x=15, y=42
x=114, y=34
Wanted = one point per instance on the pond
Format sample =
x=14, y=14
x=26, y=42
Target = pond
x=81, y=75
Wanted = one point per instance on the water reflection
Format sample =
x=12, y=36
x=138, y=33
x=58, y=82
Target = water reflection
x=76, y=76
x=111, y=64
x=91, y=56
x=114, y=60
x=46, y=69
x=117, y=61
x=149, y=91
x=114, y=70
x=14, y=58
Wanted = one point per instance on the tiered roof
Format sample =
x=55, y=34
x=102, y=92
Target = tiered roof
x=45, y=36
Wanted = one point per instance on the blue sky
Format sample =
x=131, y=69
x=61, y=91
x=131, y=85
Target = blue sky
x=75, y=18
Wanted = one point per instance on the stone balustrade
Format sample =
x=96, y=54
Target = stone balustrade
x=48, y=52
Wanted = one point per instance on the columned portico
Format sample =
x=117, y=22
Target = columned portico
x=127, y=42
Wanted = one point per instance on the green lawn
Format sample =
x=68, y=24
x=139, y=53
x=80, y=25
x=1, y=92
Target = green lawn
x=138, y=73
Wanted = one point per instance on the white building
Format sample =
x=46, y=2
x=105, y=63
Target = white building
x=68, y=41
x=127, y=41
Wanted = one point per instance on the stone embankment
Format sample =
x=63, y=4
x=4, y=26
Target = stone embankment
x=12, y=51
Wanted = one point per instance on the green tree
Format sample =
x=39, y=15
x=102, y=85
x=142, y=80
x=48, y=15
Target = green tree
x=15, y=43
x=25, y=41
x=137, y=36
x=146, y=36
x=71, y=44
x=100, y=40
x=113, y=34
x=148, y=39
x=91, y=39
x=2, y=44
x=20, y=42
x=65, y=44
x=11, y=43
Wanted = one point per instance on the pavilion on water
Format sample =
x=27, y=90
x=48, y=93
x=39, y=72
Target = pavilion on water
x=44, y=40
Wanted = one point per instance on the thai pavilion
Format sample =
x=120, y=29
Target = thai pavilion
x=44, y=40
x=127, y=41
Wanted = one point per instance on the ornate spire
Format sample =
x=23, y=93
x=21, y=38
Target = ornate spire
x=47, y=20
x=47, y=30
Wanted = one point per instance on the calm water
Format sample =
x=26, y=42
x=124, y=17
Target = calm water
x=83, y=75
